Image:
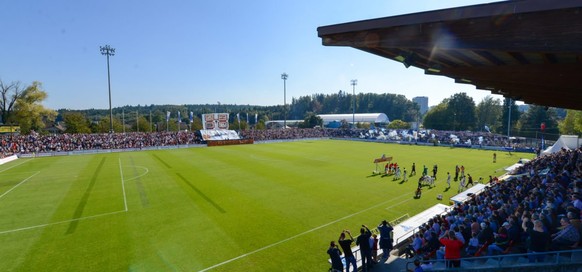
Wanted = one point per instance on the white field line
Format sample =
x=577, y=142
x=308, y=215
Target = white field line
x=122, y=185
x=306, y=232
x=15, y=165
x=57, y=223
x=146, y=172
x=19, y=184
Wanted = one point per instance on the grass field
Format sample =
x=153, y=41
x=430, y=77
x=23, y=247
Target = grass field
x=262, y=207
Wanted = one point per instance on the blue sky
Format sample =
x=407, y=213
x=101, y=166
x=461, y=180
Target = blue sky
x=202, y=52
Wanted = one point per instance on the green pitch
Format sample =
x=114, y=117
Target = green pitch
x=262, y=207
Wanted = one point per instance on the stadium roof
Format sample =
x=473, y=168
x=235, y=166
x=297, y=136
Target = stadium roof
x=527, y=50
x=358, y=117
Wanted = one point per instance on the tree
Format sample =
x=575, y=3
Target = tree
x=488, y=113
x=311, y=120
x=103, y=126
x=142, y=125
x=9, y=93
x=530, y=122
x=196, y=124
x=572, y=124
x=398, y=124
x=76, y=122
x=344, y=124
x=462, y=108
x=438, y=118
x=29, y=113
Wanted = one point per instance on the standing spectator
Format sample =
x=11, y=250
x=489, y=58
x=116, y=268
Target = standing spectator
x=452, y=249
x=374, y=246
x=539, y=240
x=346, y=245
x=385, y=238
x=335, y=256
x=364, y=242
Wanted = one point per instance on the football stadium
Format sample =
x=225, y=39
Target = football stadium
x=322, y=198
x=252, y=207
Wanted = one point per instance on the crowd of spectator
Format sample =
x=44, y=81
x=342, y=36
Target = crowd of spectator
x=537, y=212
x=37, y=143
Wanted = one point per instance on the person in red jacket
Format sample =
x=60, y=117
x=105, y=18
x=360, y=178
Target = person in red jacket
x=452, y=249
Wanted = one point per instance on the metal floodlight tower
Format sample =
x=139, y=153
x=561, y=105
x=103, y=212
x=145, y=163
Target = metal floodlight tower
x=284, y=77
x=508, y=119
x=108, y=51
x=354, y=83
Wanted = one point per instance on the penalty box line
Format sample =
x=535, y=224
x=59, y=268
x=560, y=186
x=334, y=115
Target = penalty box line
x=15, y=165
x=20, y=183
x=122, y=185
x=306, y=232
x=72, y=220
x=58, y=223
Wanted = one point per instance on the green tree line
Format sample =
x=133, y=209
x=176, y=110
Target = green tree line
x=22, y=106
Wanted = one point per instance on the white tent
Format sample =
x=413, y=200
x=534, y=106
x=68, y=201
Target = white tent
x=358, y=117
x=565, y=141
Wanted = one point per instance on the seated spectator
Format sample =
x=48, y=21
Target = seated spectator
x=566, y=237
x=472, y=246
x=501, y=242
x=485, y=235
x=417, y=267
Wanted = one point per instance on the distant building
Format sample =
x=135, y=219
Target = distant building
x=422, y=101
x=372, y=118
